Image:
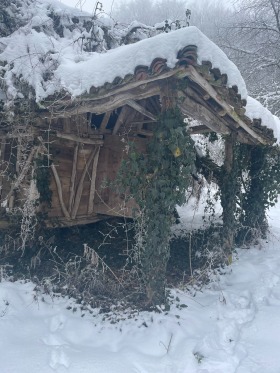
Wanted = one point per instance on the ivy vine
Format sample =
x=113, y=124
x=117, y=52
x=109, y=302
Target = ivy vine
x=158, y=181
x=254, y=182
x=259, y=185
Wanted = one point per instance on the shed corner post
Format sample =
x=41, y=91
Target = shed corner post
x=228, y=195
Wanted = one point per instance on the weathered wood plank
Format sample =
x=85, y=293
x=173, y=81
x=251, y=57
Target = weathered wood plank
x=195, y=130
x=145, y=132
x=197, y=111
x=83, y=140
x=179, y=71
x=143, y=122
x=73, y=179
x=120, y=121
x=193, y=74
x=59, y=191
x=81, y=182
x=103, y=105
x=222, y=124
x=105, y=120
x=62, y=222
x=92, y=184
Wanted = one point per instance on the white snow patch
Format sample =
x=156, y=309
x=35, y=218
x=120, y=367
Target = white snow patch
x=255, y=110
x=232, y=326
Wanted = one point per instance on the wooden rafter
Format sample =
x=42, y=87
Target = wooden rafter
x=121, y=120
x=215, y=124
x=83, y=140
x=193, y=74
x=145, y=132
x=116, y=91
x=141, y=109
x=194, y=130
x=197, y=111
x=105, y=120
x=102, y=105
x=214, y=109
x=144, y=122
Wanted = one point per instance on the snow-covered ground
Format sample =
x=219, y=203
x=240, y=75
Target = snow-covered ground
x=233, y=326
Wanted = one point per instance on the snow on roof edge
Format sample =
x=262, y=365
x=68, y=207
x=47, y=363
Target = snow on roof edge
x=255, y=110
x=96, y=69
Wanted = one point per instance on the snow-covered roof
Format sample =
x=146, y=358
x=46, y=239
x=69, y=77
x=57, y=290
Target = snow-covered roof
x=96, y=69
x=31, y=55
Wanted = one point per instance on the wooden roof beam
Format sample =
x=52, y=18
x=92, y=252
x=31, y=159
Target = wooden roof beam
x=144, y=122
x=141, y=109
x=102, y=105
x=214, y=123
x=196, y=77
x=121, y=120
x=198, y=130
x=145, y=133
x=83, y=140
x=202, y=114
x=105, y=120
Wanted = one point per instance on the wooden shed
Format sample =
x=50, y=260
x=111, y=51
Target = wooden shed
x=84, y=138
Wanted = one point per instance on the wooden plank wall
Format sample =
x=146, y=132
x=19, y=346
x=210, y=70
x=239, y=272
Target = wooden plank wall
x=111, y=155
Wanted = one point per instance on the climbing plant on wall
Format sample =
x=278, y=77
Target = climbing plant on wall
x=158, y=181
x=259, y=186
x=253, y=185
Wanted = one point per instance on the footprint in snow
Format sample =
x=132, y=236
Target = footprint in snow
x=263, y=292
x=59, y=358
x=53, y=340
x=57, y=323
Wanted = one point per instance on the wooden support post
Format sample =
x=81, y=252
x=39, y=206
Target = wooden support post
x=81, y=183
x=59, y=191
x=57, y=181
x=92, y=182
x=228, y=196
x=73, y=178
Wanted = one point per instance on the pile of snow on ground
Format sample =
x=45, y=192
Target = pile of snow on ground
x=232, y=326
